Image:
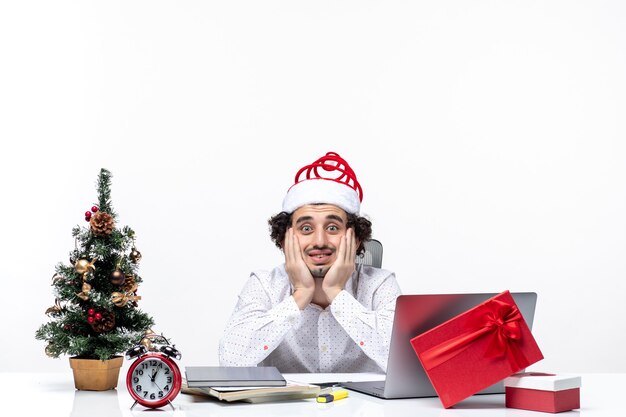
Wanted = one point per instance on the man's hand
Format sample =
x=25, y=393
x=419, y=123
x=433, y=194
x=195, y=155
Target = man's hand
x=299, y=274
x=343, y=267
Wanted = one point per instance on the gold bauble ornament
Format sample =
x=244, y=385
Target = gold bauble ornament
x=49, y=350
x=83, y=265
x=135, y=255
x=117, y=277
x=88, y=276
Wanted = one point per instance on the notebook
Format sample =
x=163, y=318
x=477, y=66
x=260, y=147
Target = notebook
x=414, y=315
x=291, y=391
x=233, y=376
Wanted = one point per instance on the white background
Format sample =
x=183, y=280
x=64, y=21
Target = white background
x=489, y=137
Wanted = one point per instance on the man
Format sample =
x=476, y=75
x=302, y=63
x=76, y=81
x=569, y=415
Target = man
x=317, y=312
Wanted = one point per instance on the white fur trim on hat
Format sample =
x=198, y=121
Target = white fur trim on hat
x=322, y=191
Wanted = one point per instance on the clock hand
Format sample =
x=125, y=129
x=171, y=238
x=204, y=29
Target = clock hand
x=157, y=386
x=154, y=375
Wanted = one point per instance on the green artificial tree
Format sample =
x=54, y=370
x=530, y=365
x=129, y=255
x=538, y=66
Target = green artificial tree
x=95, y=315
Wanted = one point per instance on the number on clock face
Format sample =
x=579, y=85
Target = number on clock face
x=152, y=380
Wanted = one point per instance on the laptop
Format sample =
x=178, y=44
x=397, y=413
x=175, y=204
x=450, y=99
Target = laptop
x=414, y=315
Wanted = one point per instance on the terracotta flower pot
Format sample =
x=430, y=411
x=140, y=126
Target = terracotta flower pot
x=96, y=375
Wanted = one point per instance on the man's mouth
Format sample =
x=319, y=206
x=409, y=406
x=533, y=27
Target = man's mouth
x=320, y=256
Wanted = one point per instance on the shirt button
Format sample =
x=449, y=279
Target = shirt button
x=361, y=343
x=324, y=348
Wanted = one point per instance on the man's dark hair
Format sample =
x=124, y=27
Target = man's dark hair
x=282, y=221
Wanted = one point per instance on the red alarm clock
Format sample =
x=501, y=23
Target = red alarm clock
x=154, y=379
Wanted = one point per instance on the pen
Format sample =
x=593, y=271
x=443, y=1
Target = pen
x=332, y=396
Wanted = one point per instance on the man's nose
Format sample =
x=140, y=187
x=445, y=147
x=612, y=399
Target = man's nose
x=320, y=238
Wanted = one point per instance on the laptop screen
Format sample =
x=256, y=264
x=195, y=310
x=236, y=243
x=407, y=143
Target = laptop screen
x=416, y=314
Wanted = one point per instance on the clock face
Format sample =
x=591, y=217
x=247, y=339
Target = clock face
x=153, y=380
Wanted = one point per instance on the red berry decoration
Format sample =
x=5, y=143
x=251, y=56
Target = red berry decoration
x=98, y=316
x=88, y=213
x=90, y=319
x=91, y=311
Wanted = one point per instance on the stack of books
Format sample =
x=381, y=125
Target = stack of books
x=250, y=384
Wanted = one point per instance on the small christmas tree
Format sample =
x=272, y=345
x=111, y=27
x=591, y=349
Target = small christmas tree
x=95, y=314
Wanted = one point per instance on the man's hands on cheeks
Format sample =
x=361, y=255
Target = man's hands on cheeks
x=299, y=274
x=343, y=267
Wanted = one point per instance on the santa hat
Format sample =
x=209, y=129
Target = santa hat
x=329, y=180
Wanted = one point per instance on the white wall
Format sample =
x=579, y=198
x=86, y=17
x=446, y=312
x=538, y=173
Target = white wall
x=488, y=137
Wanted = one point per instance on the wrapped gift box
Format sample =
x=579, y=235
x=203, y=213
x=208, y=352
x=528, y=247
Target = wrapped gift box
x=542, y=392
x=476, y=349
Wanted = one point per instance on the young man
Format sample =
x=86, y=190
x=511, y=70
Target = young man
x=317, y=312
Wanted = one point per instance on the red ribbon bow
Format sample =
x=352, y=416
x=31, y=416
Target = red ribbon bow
x=496, y=319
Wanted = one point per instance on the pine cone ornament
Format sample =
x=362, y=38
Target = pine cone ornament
x=105, y=323
x=102, y=224
x=129, y=294
x=129, y=283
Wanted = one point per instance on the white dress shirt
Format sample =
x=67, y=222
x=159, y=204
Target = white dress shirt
x=351, y=335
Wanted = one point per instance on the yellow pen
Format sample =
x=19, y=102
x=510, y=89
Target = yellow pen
x=332, y=396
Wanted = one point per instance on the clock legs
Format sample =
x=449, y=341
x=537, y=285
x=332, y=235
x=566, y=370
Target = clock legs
x=168, y=401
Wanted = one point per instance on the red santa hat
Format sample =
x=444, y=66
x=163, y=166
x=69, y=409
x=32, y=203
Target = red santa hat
x=328, y=180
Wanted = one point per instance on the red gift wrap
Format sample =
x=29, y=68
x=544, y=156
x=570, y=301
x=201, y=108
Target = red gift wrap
x=476, y=349
x=542, y=392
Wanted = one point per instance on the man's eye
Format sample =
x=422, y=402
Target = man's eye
x=306, y=229
x=333, y=228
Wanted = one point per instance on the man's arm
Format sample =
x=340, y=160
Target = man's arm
x=369, y=329
x=256, y=327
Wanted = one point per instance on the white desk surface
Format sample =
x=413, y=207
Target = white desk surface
x=53, y=394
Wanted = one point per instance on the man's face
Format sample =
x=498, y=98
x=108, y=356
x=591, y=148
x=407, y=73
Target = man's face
x=319, y=229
